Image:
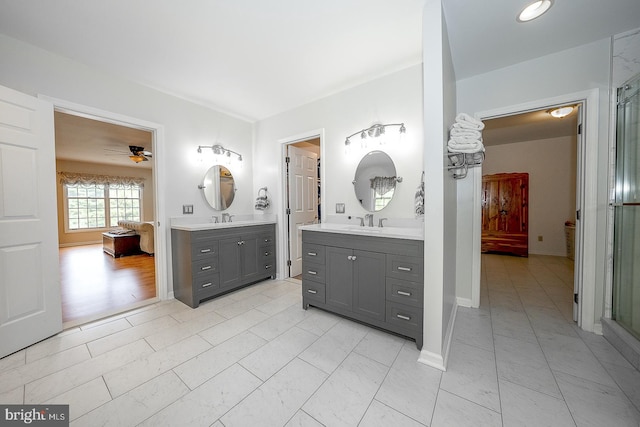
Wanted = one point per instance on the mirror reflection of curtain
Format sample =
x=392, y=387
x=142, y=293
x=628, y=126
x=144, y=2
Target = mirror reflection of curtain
x=382, y=187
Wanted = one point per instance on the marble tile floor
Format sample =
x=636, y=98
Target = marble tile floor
x=255, y=358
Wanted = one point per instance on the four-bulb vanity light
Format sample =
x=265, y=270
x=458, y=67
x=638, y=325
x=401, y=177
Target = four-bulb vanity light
x=374, y=131
x=220, y=152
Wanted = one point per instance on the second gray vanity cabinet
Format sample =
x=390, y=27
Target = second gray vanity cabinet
x=375, y=280
x=207, y=263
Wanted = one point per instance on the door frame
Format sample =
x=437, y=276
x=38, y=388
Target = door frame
x=285, y=229
x=586, y=244
x=157, y=144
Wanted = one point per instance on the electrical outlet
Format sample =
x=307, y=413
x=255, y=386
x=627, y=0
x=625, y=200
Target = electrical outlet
x=340, y=208
x=187, y=209
x=539, y=238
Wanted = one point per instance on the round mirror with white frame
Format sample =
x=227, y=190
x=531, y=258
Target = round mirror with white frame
x=218, y=187
x=375, y=181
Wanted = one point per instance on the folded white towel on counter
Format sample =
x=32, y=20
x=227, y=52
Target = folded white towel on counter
x=464, y=149
x=464, y=140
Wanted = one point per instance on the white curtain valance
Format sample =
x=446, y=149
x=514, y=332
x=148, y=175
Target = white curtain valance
x=70, y=178
x=383, y=184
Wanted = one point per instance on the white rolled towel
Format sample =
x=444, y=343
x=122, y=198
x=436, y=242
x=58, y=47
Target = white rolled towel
x=464, y=120
x=474, y=149
x=465, y=140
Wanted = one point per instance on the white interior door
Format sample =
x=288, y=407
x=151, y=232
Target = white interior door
x=303, y=200
x=30, y=308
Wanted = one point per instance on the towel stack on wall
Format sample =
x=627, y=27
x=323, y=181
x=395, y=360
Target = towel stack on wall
x=262, y=201
x=465, y=135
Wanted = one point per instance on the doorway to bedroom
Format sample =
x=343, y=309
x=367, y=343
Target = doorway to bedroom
x=106, y=211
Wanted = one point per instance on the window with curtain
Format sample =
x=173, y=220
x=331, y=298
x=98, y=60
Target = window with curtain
x=96, y=202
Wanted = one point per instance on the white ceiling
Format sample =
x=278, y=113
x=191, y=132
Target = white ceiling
x=257, y=58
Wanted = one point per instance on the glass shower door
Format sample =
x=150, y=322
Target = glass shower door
x=626, y=256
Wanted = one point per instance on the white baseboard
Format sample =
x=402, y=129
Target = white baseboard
x=464, y=302
x=439, y=361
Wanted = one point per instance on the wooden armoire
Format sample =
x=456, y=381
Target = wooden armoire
x=505, y=198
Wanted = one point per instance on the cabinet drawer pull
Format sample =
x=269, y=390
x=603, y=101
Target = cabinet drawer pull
x=314, y=273
x=266, y=267
x=403, y=317
x=404, y=294
x=206, y=267
x=404, y=268
x=311, y=291
x=312, y=254
x=204, y=251
x=206, y=285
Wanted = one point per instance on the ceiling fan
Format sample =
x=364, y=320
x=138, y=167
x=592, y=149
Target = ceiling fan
x=138, y=154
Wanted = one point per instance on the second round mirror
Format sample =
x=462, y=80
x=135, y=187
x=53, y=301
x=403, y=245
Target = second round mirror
x=219, y=187
x=375, y=181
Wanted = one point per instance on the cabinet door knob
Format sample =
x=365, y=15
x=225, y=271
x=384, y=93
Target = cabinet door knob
x=353, y=258
x=266, y=267
x=403, y=293
x=403, y=317
x=267, y=253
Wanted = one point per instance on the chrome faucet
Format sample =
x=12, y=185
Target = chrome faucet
x=361, y=221
x=369, y=217
x=380, y=221
x=226, y=217
x=215, y=219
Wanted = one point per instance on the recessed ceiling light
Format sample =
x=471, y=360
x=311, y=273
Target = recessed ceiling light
x=561, y=111
x=534, y=10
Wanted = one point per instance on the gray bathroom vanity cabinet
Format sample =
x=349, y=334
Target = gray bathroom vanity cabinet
x=208, y=263
x=375, y=280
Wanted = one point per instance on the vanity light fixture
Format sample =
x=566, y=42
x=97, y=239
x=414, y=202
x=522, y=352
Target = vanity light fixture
x=534, y=10
x=561, y=112
x=374, y=131
x=219, y=150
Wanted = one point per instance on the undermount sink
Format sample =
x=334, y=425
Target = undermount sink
x=364, y=229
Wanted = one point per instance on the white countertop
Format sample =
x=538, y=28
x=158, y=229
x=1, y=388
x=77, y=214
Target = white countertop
x=197, y=224
x=411, y=233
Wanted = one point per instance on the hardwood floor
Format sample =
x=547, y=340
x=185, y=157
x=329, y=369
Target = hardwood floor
x=94, y=282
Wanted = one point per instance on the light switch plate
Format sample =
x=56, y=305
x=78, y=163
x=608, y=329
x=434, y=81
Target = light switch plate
x=187, y=209
x=339, y=207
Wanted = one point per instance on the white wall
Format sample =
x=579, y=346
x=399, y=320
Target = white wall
x=551, y=165
x=394, y=98
x=440, y=192
x=186, y=125
x=575, y=70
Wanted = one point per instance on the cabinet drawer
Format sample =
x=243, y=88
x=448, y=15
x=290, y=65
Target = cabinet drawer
x=313, y=291
x=267, y=252
x=313, y=253
x=204, y=266
x=404, y=316
x=405, y=268
x=204, y=283
x=314, y=272
x=266, y=240
x=204, y=249
x=405, y=292
x=269, y=265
